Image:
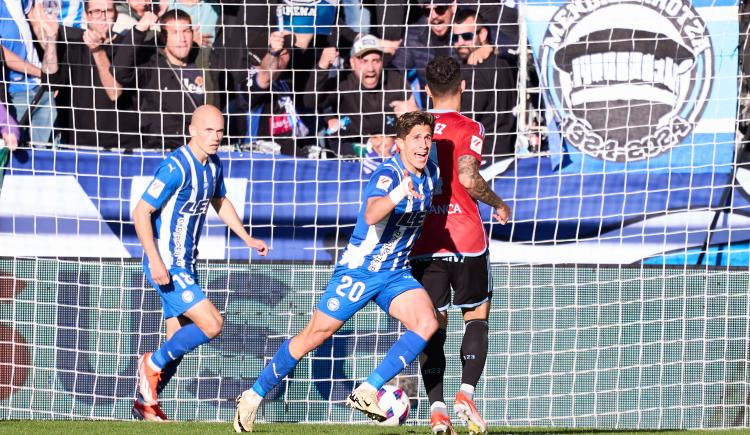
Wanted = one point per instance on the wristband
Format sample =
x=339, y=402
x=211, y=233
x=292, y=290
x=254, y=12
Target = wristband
x=400, y=192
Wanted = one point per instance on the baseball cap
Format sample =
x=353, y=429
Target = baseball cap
x=365, y=45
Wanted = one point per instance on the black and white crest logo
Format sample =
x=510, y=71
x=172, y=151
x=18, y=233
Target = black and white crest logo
x=629, y=79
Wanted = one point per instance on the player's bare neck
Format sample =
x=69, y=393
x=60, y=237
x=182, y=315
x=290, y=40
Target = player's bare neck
x=174, y=60
x=447, y=103
x=412, y=170
x=197, y=152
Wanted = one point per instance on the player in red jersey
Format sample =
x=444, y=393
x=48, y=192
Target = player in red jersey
x=453, y=249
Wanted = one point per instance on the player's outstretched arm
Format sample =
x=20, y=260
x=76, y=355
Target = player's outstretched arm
x=378, y=207
x=479, y=189
x=142, y=221
x=228, y=214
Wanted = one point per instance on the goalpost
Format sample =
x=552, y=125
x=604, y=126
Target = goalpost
x=620, y=284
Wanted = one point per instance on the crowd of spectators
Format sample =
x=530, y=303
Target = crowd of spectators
x=294, y=77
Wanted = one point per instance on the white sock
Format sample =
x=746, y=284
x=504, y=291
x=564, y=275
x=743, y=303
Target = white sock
x=439, y=407
x=468, y=390
x=252, y=396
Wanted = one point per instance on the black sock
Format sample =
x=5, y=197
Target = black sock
x=167, y=372
x=474, y=351
x=433, y=366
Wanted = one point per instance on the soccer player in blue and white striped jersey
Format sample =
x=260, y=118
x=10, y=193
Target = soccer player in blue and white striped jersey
x=168, y=220
x=374, y=267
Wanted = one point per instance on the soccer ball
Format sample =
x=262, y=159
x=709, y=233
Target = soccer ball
x=395, y=403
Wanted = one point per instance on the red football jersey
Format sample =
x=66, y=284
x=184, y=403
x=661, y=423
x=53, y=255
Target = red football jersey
x=453, y=225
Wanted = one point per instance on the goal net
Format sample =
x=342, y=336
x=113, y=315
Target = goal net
x=617, y=136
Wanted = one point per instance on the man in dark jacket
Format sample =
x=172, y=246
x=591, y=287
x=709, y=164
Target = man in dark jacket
x=170, y=85
x=242, y=44
x=364, y=105
x=275, y=109
x=85, y=76
x=263, y=108
x=429, y=37
x=490, y=86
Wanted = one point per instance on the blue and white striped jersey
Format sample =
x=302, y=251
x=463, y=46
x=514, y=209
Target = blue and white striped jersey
x=386, y=244
x=71, y=13
x=181, y=192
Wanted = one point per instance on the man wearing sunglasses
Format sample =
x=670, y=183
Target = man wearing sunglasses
x=490, y=84
x=429, y=37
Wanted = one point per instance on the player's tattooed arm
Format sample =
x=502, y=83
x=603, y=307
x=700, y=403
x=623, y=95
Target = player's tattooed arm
x=471, y=179
x=479, y=189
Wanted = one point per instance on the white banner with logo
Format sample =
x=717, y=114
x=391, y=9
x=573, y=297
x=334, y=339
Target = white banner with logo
x=639, y=84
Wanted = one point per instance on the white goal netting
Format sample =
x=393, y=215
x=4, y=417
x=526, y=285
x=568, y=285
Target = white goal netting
x=616, y=132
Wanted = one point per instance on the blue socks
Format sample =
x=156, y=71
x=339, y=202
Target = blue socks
x=281, y=365
x=183, y=341
x=399, y=356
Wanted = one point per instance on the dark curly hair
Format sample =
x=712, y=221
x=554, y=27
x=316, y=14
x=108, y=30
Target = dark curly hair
x=443, y=76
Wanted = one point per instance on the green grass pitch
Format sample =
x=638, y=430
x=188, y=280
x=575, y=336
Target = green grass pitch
x=27, y=427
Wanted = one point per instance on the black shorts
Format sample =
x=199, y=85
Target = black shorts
x=469, y=277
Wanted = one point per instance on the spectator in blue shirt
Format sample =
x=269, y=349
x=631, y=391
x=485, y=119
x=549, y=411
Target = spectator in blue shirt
x=24, y=83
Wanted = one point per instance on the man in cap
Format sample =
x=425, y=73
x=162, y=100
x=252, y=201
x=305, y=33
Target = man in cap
x=365, y=107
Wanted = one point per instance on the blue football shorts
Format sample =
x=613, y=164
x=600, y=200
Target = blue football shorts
x=182, y=292
x=351, y=289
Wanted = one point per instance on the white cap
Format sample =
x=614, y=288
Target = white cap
x=365, y=45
